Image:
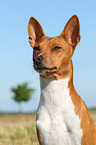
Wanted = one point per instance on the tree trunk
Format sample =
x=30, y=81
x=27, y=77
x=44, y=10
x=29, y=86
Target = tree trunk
x=20, y=107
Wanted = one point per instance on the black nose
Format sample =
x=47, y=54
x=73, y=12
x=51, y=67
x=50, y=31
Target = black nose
x=38, y=59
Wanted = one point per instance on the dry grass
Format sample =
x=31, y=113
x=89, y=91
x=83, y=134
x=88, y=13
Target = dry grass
x=92, y=114
x=20, y=129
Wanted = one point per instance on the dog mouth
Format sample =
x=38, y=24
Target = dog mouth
x=44, y=70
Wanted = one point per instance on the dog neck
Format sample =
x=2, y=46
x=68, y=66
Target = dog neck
x=45, y=81
x=52, y=87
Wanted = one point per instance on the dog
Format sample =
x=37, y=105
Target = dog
x=62, y=116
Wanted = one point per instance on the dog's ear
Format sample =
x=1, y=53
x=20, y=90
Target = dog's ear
x=71, y=32
x=35, y=31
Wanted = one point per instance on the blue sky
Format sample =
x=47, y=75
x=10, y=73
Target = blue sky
x=16, y=53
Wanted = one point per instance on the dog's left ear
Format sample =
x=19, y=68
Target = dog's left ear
x=71, y=32
x=35, y=31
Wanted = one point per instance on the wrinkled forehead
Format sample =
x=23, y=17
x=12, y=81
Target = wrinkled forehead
x=50, y=42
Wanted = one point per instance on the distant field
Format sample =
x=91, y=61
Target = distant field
x=20, y=129
x=92, y=113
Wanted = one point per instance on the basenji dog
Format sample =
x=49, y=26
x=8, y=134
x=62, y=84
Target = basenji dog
x=62, y=116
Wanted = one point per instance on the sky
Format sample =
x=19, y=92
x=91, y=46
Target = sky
x=16, y=66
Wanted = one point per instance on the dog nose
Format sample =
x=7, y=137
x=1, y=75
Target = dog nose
x=38, y=59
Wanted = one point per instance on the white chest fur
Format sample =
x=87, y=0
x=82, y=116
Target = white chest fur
x=56, y=119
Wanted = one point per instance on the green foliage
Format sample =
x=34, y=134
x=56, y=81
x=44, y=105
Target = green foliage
x=22, y=93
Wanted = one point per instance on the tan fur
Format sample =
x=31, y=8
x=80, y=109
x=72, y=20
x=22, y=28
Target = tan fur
x=61, y=59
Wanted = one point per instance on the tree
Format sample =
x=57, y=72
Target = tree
x=22, y=93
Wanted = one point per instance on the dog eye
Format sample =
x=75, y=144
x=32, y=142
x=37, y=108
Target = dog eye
x=37, y=48
x=56, y=48
x=30, y=38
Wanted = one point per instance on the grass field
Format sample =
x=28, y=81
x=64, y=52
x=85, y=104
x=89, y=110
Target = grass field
x=20, y=129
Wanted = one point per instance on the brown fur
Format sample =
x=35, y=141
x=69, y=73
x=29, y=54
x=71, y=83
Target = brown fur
x=61, y=59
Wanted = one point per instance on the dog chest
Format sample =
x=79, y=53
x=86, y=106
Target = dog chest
x=56, y=118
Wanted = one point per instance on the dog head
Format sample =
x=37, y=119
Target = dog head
x=52, y=55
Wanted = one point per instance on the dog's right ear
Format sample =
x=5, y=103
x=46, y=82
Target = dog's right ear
x=35, y=31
